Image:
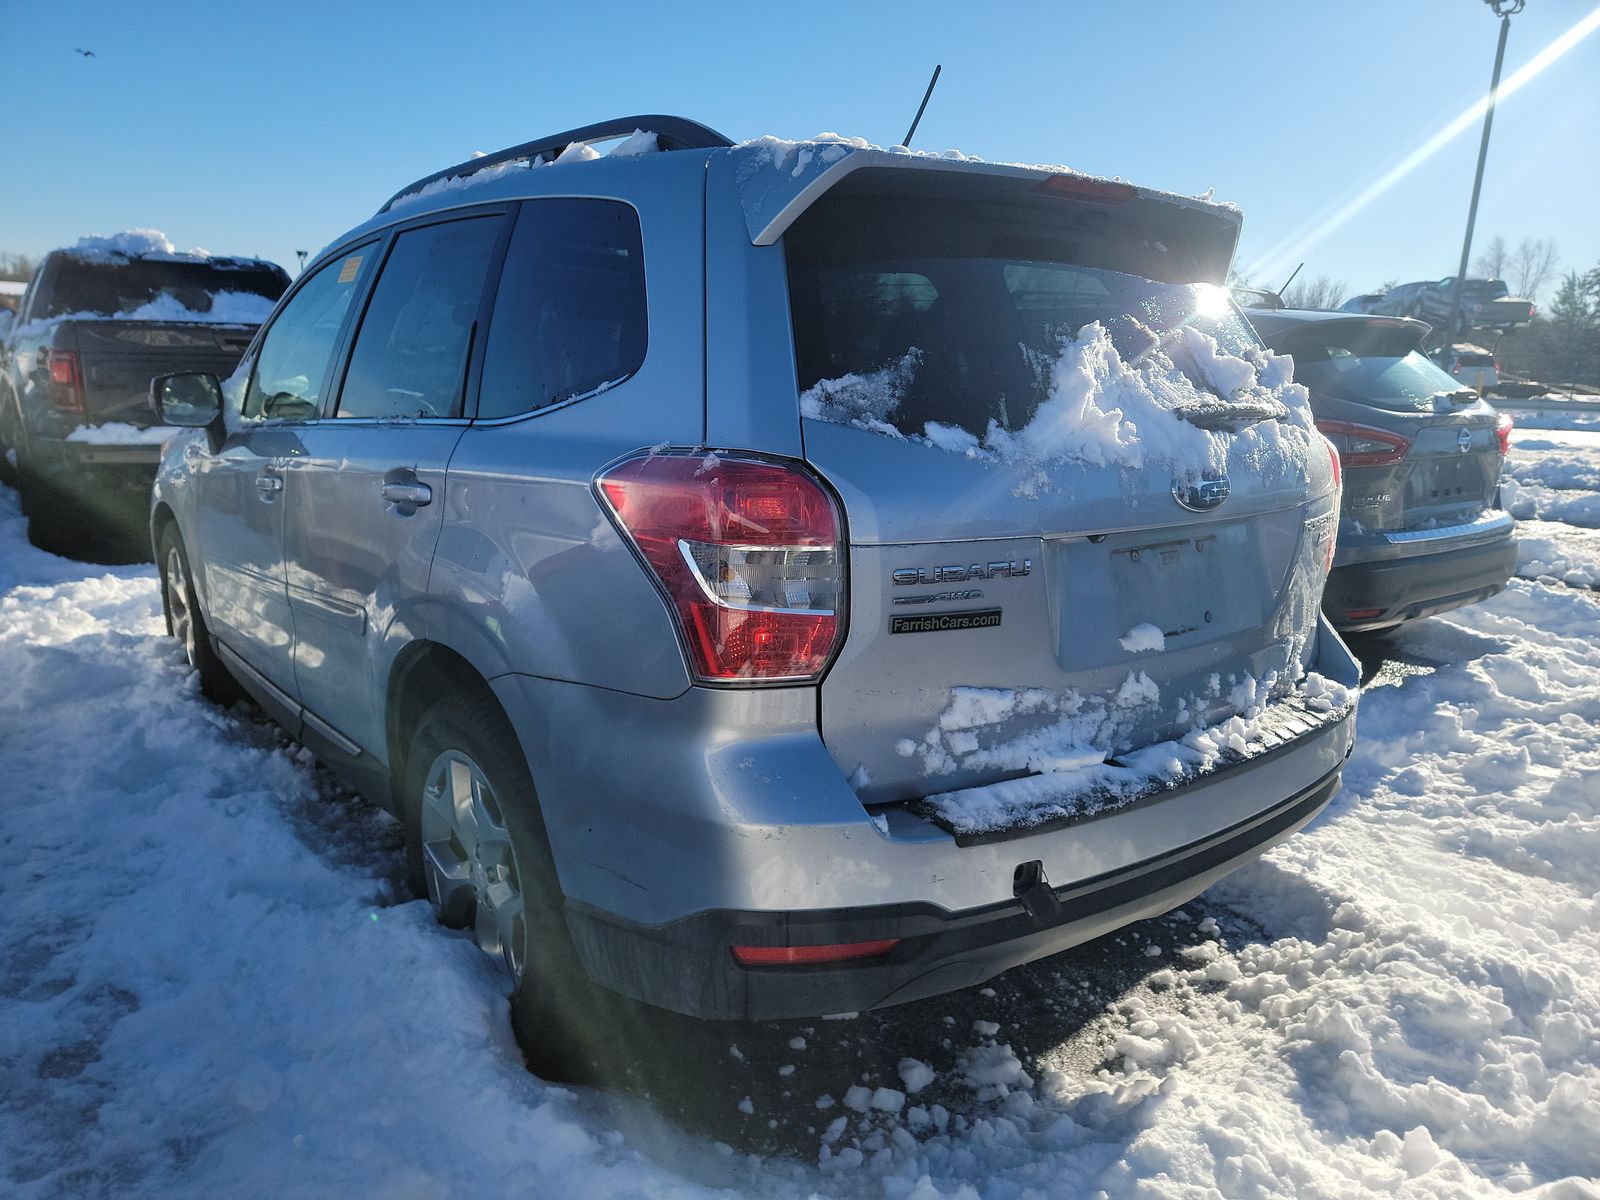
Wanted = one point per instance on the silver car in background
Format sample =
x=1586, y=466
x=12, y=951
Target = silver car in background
x=682, y=543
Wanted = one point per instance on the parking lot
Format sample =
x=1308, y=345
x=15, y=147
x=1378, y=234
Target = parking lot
x=215, y=974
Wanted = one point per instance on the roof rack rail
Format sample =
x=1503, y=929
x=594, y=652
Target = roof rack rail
x=672, y=133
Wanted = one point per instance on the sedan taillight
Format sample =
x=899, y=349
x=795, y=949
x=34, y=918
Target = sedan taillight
x=750, y=554
x=1364, y=446
x=1502, y=433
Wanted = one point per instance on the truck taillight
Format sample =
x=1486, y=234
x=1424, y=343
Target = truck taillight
x=1502, y=433
x=66, y=382
x=1363, y=446
x=749, y=552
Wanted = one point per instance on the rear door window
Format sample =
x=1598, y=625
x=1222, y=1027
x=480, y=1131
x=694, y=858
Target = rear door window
x=569, y=316
x=292, y=366
x=410, y=356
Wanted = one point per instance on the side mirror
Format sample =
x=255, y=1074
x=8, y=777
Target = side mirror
x=192, y=399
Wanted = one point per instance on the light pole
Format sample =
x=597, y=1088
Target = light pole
x=1505, y=10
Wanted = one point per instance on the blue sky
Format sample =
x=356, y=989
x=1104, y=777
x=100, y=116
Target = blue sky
x=275, y=127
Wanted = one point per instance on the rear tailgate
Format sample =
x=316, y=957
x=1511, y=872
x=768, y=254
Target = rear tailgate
x=1049, y=567
x=118, y=358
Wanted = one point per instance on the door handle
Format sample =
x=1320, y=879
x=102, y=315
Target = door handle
x=413, y=493
x=269, y=484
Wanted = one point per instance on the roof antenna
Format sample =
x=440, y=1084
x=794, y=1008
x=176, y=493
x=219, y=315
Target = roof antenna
x=1290, y=280
x=917, y=120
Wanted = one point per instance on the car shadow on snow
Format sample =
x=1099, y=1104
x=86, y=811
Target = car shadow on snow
x=773, y=1087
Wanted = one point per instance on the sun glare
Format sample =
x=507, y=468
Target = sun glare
x=1298, y=243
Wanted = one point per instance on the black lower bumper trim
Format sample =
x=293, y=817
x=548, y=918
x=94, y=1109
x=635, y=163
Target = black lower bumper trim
x=1406, y=589
x=686, y=965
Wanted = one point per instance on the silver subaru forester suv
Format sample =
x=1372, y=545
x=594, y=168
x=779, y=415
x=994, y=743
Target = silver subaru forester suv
x=779, y=579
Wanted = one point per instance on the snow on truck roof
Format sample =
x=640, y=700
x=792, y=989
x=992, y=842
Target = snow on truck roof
x=146, y=244
x=779, y=179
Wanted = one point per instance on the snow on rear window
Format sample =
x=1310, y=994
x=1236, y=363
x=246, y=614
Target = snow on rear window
x=1097, y=408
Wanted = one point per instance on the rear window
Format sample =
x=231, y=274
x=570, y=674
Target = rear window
x=951, y=313
x=122, y=288
x=1374, y=365
x=1474, y=360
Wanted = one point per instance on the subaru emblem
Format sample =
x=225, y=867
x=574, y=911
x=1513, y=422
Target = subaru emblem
x=1203, y=496
x=1464, y=440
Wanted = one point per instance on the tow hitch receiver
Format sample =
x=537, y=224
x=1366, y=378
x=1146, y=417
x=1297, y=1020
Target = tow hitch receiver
x=1028, y=884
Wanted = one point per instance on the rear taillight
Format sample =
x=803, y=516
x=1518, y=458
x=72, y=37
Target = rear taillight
x=794, y=956
x=1363, y=446
x=1338, y=501
x=66, y=382
x=750, y=554
x=1502, y=432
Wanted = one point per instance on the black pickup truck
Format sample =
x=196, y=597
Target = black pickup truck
x=96, y=322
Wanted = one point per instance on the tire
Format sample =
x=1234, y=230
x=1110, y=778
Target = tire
x=52, y=523
x=187, y=623
x=476, y=840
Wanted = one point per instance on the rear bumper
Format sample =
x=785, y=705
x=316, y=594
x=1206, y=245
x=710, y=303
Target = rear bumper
x=727, y=823
x=1390, y=592
x=130, y=464
x=687, y=965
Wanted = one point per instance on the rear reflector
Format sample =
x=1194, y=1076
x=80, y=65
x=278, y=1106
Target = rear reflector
x=1362, y=614
x=786, y=956
x=1502, y=433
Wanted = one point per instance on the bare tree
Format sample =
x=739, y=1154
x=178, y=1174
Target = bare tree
x=1323, y=292
x=16, y=266
x=1492, y=259
x=1533, y=265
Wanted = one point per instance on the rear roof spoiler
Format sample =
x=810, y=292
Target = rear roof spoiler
x=778, y=181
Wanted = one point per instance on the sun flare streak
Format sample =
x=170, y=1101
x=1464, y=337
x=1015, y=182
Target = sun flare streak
x=1293, y=248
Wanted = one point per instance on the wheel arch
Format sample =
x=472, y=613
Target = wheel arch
x=423, y=671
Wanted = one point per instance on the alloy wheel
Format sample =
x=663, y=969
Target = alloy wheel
x=178, y=605
x=468, y=860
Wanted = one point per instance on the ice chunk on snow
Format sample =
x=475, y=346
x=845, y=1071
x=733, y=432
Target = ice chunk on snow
x=858, y=1098
x=887, y=1099
x=915, y=1074
x=1143, y=637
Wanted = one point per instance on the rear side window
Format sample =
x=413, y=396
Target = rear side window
x=569, y=318
x=410, y=358
x=292, y=366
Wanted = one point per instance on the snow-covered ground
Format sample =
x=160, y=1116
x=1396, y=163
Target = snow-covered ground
x=214, y=983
